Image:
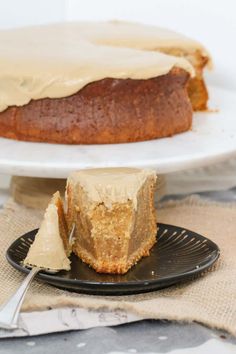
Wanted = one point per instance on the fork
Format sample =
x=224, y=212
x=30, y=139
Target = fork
x=9, y=311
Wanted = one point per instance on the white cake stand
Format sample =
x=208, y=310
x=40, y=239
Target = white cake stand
x=212, y=139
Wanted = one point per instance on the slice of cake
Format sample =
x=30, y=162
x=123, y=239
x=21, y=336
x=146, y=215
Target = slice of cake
x=51, y=248
x=114, y=216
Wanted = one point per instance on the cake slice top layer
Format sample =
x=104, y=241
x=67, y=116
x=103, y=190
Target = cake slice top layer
x=111, y=185
x=58, y=60
x=47, y=250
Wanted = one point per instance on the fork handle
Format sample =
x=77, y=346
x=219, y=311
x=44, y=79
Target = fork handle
x=9, y=311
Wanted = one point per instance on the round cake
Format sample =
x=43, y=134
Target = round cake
x=86, y=83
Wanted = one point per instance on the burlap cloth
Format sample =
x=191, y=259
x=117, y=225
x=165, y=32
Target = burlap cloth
x=210, y=300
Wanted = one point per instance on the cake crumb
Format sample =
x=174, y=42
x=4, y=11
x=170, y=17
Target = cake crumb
x=222, y=336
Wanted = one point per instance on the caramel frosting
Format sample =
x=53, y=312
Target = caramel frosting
x=58, y=60
x=47, y=250
x=111, y=185
x=136, y=35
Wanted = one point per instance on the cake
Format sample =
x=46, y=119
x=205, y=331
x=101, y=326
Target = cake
x=114, y=216
x=50, y=248
x=95, y=83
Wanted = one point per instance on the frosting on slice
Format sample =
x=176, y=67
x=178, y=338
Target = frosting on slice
x=47, y=250
x=111, y=185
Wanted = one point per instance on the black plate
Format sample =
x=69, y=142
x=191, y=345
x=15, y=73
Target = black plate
x=179, y=255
